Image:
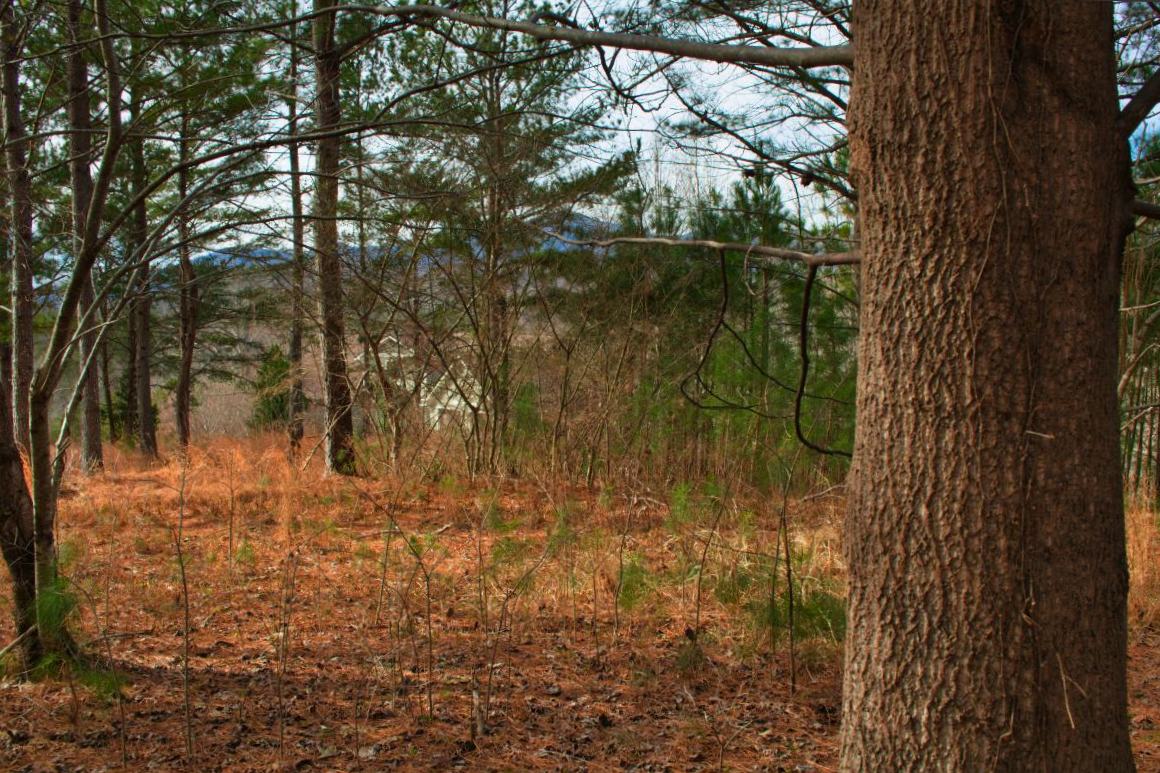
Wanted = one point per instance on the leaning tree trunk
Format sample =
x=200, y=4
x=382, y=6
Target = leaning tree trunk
x=339, y=419
x=985, y=535
x=81, y=150
x=20, y=198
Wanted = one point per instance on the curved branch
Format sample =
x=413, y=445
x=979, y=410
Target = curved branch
x=805, y=371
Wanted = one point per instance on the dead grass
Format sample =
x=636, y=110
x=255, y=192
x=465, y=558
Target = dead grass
x=1143, y=549
x=560, y=622
x=379, y=624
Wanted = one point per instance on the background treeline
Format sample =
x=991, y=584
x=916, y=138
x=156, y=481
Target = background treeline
x=345, y=234
x=360, y=229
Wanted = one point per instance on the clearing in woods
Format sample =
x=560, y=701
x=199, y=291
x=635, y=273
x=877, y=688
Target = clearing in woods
x=373, y=624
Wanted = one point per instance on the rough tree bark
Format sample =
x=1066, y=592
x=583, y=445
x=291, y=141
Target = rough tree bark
x=985, y=533
x=16, y=533
x=339, y=418
x=20, y=198
x=81, y=151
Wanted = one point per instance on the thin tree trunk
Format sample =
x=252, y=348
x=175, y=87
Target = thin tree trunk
x=20, y=187
x=494, y=345
x=364, y=310
x=1153, y=430
x=143, y=386
x=107, y=386
x=985, y=535
x=1128, y=445
x=297, y=403
x=188, y=303
x=129, y=421
x=139, y=227
x=339, y=419
x=6, y=268
x=81, y=149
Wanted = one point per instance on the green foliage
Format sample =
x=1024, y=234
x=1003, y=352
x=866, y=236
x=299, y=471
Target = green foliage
x=55, y=604
x=817, y=613
x=245, y=554
x=682, y=507
x=493, y=516
x=105, y=684
x=272, y=391
x=721, y=334
x=451, y=485
x=508, y=551
x=733, y=587
x=819, y=610
x=526, y=419
x=635, y=583
x=690, y=658
x=563, y=535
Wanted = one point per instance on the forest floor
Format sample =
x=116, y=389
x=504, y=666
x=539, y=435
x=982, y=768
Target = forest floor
x=373, y=625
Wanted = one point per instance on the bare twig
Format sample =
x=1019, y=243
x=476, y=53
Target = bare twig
x=12, y=644
x=1146, y=209
x=1138, y=107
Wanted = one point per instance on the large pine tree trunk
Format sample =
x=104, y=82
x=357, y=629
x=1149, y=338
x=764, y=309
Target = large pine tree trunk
x=81, y=147
x=339, y=419
x=20, y=192
x=985, y=537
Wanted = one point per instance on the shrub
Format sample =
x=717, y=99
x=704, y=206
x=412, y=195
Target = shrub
x=272, y=391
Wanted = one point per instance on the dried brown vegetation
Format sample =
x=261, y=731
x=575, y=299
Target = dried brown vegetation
x=382, y=624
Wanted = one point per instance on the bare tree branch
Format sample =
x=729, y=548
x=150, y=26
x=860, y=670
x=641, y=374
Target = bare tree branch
x=1146, y=209
x=805, y=258
x=820, y=56
x=1140, y=105
x=804, y=353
